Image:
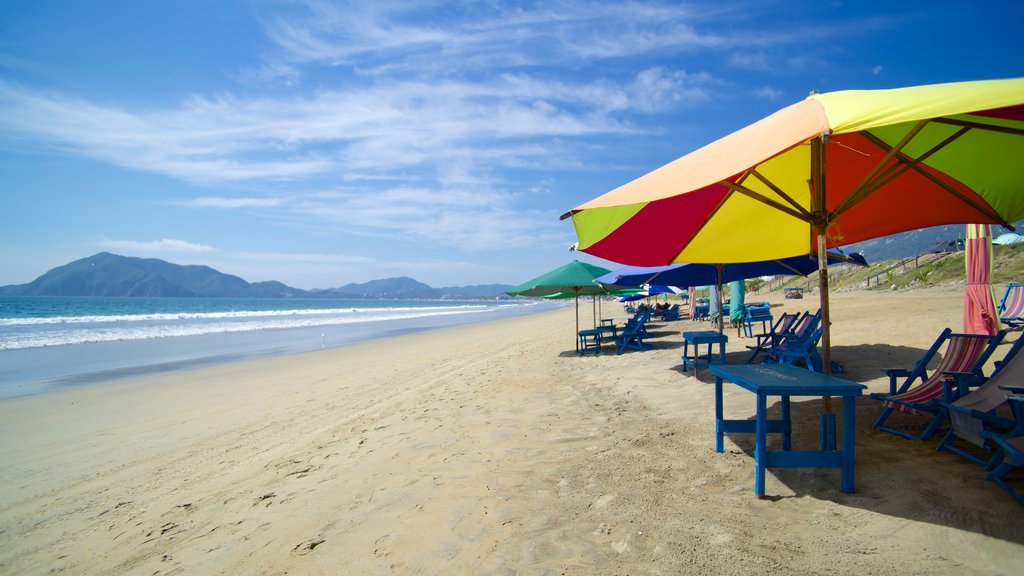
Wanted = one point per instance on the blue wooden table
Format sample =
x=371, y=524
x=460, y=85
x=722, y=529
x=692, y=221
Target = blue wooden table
x=785, y=380
x=698, y=337
x=590, y=340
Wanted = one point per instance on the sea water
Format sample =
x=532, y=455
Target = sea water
x=51, y=343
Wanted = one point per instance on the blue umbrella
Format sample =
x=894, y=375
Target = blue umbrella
x=707, y=274
x=718, y=274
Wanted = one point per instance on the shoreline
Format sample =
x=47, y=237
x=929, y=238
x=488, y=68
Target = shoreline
x=47, y=369
x=485, y=448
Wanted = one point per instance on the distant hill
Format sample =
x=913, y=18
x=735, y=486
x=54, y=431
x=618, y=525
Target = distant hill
x=401, y=287
x=477, y=291
x=923, y=241
x=107, y=274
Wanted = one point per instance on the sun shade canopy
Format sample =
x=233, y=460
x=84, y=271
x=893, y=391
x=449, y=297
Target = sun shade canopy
x=889, y=161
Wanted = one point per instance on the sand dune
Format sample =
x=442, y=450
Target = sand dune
x=486, y=449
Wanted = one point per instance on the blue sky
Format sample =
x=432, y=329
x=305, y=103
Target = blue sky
x=321, y=143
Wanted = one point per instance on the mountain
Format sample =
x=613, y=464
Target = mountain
x=401, y=287
x=106, y=274
x=476, y=291
x=923, y=241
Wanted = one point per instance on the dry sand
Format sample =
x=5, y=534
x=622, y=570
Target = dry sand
x=487, y=449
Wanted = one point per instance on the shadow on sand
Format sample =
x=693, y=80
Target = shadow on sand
x=894, y=476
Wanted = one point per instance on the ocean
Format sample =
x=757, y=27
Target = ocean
x=52, y=343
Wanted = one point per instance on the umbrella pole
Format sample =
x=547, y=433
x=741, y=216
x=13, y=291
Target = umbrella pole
x=820, y=210
x=826, y=339
x=721, y=298
x=577, y=321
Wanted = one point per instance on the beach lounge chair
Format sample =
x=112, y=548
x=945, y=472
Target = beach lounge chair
x=671, y=313
x=965, y=354
x=1011, y=308
x=975, y=411
x=765, y=342
x=633, y=334
x=795, y=340
x=794, y=350
x=1012, y=447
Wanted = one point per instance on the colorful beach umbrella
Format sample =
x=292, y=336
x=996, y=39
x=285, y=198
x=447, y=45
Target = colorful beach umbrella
x=980, y=315
x=825, y=172
x=575, y=278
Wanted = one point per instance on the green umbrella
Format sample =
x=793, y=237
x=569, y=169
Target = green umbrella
x=575, y=278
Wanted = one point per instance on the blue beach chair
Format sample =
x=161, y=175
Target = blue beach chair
x=1012, y=448
x=1011, y=308
x=765, y=342
x=975, y=410
x=965, y=354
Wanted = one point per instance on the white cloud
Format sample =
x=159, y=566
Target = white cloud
x=768, y=93
x=213, y=202
x=876, y=70
x=165, y=245
x=299, y=257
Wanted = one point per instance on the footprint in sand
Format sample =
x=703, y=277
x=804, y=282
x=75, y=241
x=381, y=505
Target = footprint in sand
x=307, y=546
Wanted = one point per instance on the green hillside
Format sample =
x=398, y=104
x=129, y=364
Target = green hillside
x=926, y=270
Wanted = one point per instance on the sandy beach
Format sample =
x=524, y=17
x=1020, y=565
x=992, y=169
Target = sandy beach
x=488, y=449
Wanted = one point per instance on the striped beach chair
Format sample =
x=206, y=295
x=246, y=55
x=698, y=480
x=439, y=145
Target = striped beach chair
x=1011, y=308
x=965, y=354
x=975, y=411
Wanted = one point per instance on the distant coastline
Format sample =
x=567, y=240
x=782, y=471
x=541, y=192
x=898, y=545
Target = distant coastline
x=107, y=274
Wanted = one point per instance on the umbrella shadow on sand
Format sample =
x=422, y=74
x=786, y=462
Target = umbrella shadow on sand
x=894, y=476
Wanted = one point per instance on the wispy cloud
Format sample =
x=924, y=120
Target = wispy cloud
x=424, y=122
x=163, y=246
x=229, y=203
x=768, y=93
x=300, y=257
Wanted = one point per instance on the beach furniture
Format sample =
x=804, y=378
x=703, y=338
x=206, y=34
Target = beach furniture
x=1012, y=447
x=671, y=314
x=766, y=341
x=756, y=313
x=590, y=340
x=964, y=354
x=795, y=341
x=1011, y=308
x=633, y=334
x=698, y=337
x=793, y=350
x=787, y=381
x=975, y=410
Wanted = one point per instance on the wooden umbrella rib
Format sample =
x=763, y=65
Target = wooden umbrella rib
x=915, y=165
x=858, y=193
x=980, y=126
x=798, y=214
x=774, y=188
x=903, y=164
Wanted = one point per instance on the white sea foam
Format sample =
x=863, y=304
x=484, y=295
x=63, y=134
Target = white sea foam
x=38, y=332
x=175, y=316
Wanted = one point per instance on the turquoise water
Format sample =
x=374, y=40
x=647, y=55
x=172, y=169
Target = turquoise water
x=51, y=343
